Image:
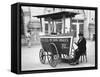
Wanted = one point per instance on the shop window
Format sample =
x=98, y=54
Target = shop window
x=74, y=30
x=81, y=28
x=74, y=20
x=58, y=27
x=81, y=21
x=46, y=28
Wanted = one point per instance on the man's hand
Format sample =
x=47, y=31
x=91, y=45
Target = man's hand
x=75, y=43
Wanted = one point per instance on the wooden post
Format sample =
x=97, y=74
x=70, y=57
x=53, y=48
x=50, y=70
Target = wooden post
x=54, y=26
x=63, y=24
x=41, y=24
x=77, y=28
x=49, y=26
x=70, y=23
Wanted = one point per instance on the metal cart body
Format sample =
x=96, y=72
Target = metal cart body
x=55, y=48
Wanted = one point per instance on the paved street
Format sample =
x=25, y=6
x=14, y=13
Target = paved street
x=30, y=58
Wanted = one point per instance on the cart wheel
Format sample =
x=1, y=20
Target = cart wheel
x=42, y=56
x=52, y=57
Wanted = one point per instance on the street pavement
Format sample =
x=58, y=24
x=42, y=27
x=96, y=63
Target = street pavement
x=30, y=58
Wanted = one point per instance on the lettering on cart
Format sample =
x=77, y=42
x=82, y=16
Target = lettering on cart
x=64, y=56
x=55, y=40
x=64, y=46
x=63, y=40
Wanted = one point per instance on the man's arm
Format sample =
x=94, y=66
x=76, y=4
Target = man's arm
x=75, y=43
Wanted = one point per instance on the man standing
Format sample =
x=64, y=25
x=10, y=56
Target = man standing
x=80, y=50
x=28, y=36
x=81, y=46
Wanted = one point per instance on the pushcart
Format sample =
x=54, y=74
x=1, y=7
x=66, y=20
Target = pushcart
x=56, y=47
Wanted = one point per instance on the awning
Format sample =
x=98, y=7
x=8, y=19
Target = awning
x=58, y=15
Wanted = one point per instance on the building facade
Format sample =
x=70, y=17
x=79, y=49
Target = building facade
x=84, y=22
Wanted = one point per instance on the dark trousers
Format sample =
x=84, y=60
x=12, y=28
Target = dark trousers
x=77, y=55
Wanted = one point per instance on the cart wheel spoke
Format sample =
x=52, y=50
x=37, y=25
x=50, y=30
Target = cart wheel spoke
x=53, y=62
x=42, y=56
x=52, y=58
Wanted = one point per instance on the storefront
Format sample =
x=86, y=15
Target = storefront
x=35, y=29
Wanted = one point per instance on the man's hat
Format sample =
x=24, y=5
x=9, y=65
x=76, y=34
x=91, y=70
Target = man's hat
x=80, y=34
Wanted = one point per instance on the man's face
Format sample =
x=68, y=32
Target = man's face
x=80, y=37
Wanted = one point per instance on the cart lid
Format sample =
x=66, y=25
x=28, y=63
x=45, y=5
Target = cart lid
x=58, y=15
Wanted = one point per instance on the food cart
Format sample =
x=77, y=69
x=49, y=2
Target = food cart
x=56, y=47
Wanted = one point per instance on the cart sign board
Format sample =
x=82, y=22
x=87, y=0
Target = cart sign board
x=50, y=38
x=63, y=43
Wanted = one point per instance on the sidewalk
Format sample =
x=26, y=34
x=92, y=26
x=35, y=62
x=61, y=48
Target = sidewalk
x=30, y=58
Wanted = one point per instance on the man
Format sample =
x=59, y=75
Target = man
x=28, y=38
x=80, y=50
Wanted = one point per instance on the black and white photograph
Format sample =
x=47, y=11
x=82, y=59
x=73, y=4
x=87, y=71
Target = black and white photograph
x=57, y=38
